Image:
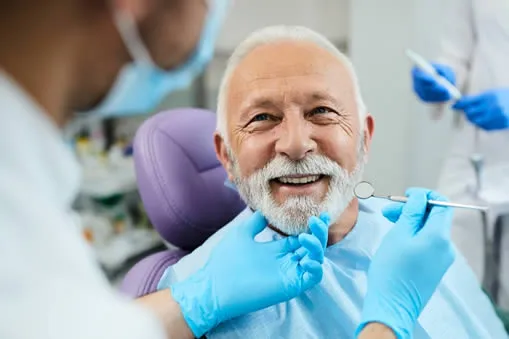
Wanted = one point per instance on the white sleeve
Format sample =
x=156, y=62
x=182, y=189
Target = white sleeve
x=59, y=309
x=50, y=285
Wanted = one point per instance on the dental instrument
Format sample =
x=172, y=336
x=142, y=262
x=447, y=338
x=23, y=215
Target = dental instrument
x=365, y=190
x=424, y=65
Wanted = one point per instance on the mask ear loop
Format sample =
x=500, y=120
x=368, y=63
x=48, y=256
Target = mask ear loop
x=128, y=31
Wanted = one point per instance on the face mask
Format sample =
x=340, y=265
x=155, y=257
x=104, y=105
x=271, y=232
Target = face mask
x=142, y=85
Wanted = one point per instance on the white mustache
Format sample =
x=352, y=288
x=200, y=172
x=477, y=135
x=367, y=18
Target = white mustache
x=313, y=164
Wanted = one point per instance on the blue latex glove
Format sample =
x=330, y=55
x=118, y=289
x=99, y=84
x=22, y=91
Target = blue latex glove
x=427, y=89
x=243, y=275
x=409, y=264
x=488, y=110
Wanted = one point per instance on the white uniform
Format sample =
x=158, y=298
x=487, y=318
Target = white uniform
x=50, y=284
x=475, y=42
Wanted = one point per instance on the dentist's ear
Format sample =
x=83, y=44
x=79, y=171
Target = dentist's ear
x=138, y=9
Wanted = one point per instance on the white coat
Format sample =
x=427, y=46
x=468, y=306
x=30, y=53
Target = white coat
x=474, y=41
x=50, y=284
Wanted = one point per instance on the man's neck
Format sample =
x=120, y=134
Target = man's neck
x=344, y=224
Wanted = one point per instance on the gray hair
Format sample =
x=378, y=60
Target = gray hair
x=273, y=34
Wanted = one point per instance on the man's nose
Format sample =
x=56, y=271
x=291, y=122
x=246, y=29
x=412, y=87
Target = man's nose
x=295, y=140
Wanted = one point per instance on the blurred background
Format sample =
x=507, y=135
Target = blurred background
x=408, y=146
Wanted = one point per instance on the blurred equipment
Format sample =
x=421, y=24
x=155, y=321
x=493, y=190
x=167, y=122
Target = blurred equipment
x=112, y=216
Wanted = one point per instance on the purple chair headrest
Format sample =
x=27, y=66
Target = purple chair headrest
x=180, y=180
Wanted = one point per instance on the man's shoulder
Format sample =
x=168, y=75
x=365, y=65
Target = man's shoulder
x=196, y=259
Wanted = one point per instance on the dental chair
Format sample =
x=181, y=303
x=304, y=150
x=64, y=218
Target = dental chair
x=181, y=184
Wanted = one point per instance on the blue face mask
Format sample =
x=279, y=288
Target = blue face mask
x=142, y=85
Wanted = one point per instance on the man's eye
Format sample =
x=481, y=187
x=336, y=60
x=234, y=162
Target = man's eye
x=261, y=117
x=320, y=110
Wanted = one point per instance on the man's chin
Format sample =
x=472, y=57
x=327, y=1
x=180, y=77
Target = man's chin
x=289, y=221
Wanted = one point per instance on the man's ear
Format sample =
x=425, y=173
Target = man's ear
x=369, y=129
x=222, y=154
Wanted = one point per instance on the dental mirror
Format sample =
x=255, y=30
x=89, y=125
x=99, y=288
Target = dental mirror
x=364, y=190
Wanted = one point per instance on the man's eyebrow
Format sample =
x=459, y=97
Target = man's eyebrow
x=322, y=96
x=257, y=102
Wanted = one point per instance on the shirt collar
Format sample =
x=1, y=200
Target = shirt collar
x=36, y=155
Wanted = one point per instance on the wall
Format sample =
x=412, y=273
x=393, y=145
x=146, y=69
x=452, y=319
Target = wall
x=379, y=36
x=329, y=17
x=431, y=138
x=408, y=147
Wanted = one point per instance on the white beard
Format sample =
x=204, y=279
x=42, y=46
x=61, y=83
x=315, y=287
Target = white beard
x=291, y=217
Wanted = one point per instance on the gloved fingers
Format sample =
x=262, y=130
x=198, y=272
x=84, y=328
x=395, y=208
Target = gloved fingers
x=468, y=101
x=446, y=72
x=313, y=246
x=477, y=110
x=283, y=246
x=422, y=77
x=432, y=92
x=320, y=228
x=483, y=117
x=299, y=254
x=432, y=195
x=255, y=224
x=392, y=212
x=313, y=273
x=325, y=217
x=414, y=210
x=487, y=116
x=439, y=221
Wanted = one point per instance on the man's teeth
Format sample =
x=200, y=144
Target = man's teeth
x=300, y=180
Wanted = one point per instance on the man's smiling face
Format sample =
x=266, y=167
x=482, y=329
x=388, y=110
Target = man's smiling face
x=295, y=141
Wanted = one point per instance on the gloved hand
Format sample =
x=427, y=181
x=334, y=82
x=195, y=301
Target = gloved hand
x=243, y=275
x=427, y=89
x=409, y=264
x=488, y=110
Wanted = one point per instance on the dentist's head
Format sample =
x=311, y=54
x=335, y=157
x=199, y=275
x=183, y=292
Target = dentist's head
x=169, y=42
x=108, y=57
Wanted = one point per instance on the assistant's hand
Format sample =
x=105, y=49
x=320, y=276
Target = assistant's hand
x=488, y=110
x=409, y=264
x=243, y=275
x=427, y=89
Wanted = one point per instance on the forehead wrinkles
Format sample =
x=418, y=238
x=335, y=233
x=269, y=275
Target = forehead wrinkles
x=287, y=61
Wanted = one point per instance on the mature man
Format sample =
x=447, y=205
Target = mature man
x=294, y=135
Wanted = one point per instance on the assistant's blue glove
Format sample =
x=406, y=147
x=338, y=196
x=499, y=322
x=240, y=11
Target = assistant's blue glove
x=427, y=89
x=409, y=264
x=488, y=110
x=243, y=275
